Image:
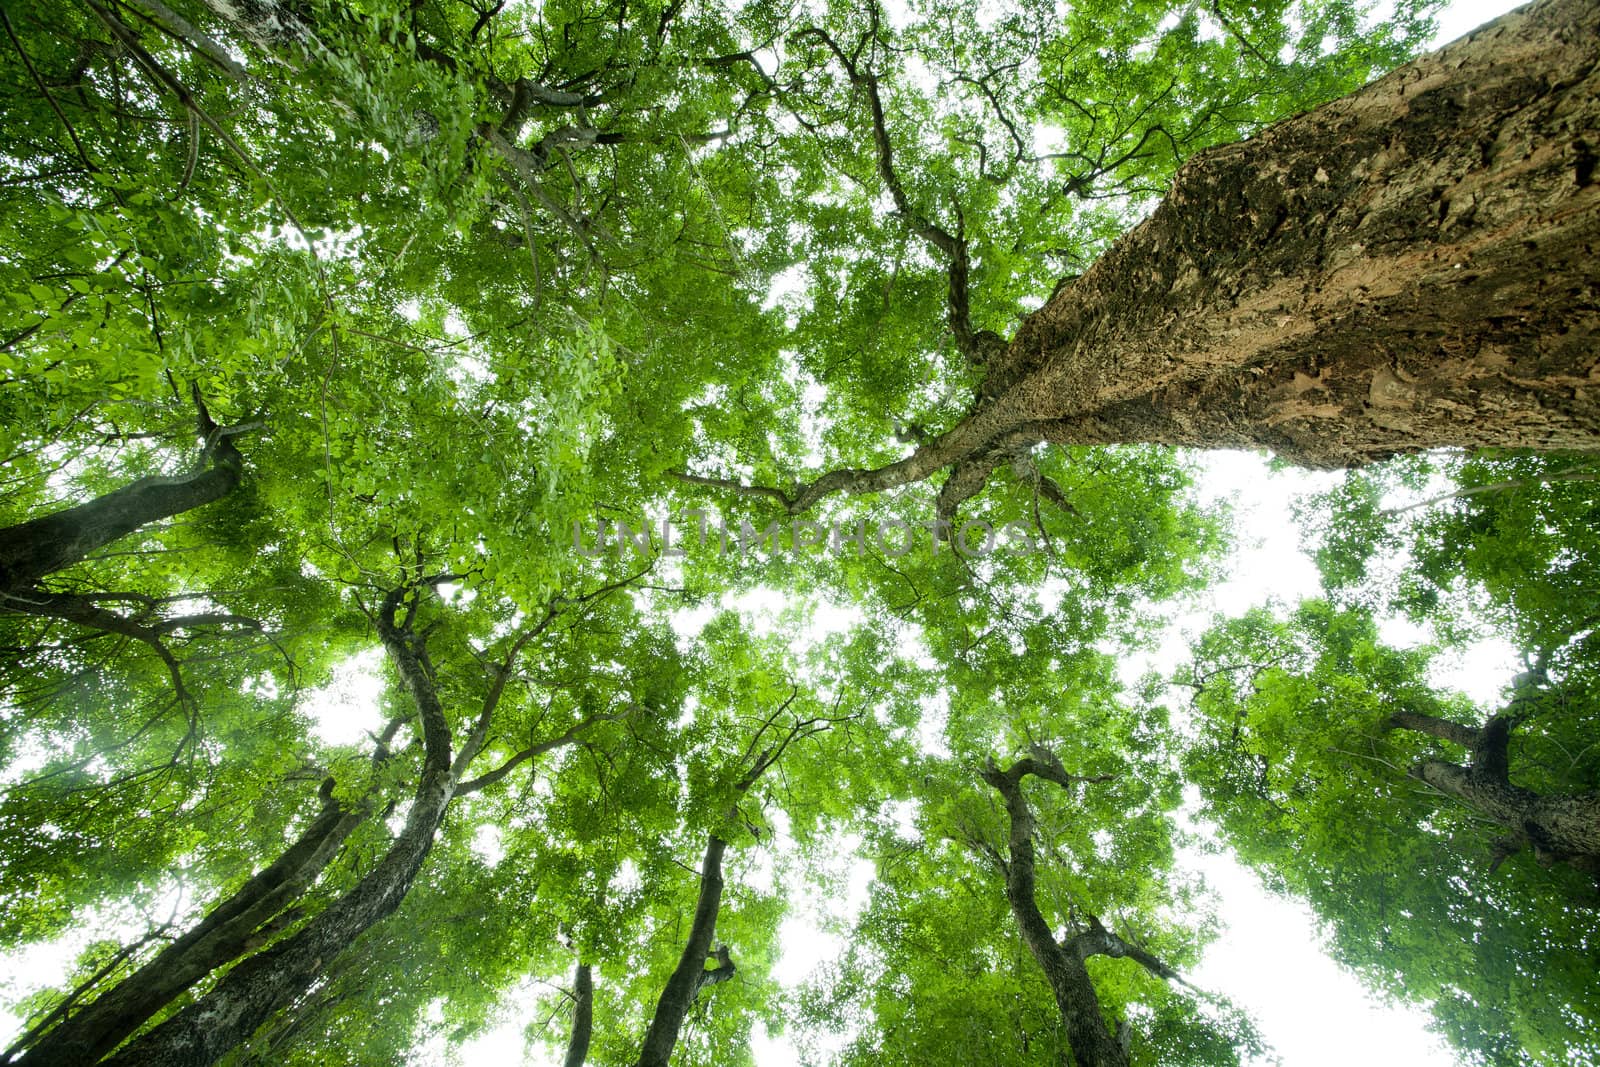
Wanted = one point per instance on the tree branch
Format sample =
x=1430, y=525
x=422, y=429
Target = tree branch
x=977, y=346
x=722, y=972
x=182, y=30
x=738, y=487
x=1444, y=729
x=1091, y=1041
x=1096, y=940
x=483, y=781
x=1585, y=473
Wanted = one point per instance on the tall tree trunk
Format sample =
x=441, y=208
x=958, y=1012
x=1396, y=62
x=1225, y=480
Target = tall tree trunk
x=31, y=550
x=690, y=974
x=1559, y=828
x=271, y=980
x=226, y=932
x=1092, y=1042
x=582, y=1017
x=1408, y=267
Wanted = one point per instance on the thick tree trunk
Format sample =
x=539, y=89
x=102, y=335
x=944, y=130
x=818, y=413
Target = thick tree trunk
x=582, y=1017
x=1092, y=1042
x=271, y=980
x=1559, y=828
x=200, y=1034
x=228, y=931
x=690, y=973
x=1408, y=267
x=31, y=550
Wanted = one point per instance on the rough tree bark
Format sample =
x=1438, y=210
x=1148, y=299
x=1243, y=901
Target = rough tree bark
x=582, y=1017
x=32, y=550
x=1092, y=1042
x=690, y=975
x=1558, y=828
x=1408, y=267
x=270, y=980
x=237, y=925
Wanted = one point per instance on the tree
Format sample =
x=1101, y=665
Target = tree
x=1319, y=753
x=266, y=981
x=1092, y=1043
x=480, y=278
x=968, y=896
x=691, y=975
x=1386, y=780
x=1557, y=829
x=246, y=918
x=582, y=1016
x=1248, y=310
x=270, y=980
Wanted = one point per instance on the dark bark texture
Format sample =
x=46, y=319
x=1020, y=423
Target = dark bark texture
x=1558, y=828
x=1092, y=1042
x=237, y=925
x=690, y=975
x=273, y=979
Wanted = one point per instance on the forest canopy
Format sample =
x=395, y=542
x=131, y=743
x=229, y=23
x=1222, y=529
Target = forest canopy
x=407, y=408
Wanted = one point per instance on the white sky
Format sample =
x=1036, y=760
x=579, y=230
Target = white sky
x=1312, y=1012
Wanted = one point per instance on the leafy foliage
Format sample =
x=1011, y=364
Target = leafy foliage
x=460, y=282
x=1302, y=767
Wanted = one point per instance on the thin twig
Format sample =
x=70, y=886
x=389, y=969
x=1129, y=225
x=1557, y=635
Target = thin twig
x=1585, y=473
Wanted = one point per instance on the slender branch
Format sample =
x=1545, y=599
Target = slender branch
x=1585, y=473
x=180, y=29
x=979, y=346
x=1096, y=940
x=39, y=82
x=1233, y=31
x=483, y=781
x=164, y=78
x=1432, y=725
x=82, y=611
